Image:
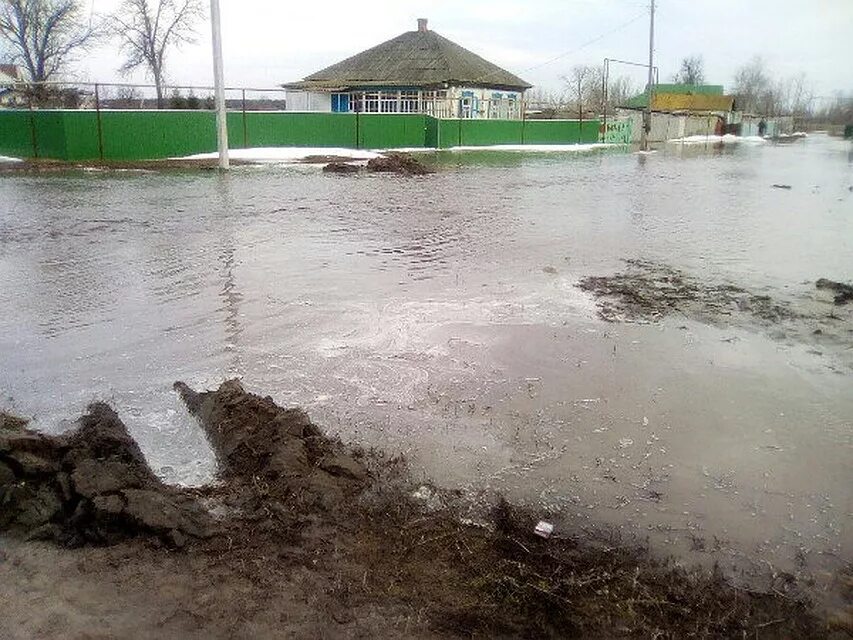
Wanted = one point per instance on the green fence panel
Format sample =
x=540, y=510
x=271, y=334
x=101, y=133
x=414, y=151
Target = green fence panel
x=487, y=132
x=560, y=131
x=590, y=130
x=449, y=134
x=271, y=129
x=383, y=131
x=80, y=133
x=16, y=134
x=144, y=135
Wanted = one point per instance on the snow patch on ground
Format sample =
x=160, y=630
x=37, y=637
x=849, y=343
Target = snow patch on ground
x=9, y=159
x=726, y=139
x=536, y=148
x=299, y=154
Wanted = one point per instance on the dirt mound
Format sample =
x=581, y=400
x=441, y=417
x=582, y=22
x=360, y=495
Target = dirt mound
x=280, y=452
x=398, y=163
x=91, y=485
x=341, y=167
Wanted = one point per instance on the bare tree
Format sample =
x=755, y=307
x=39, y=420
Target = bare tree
x=692, y=71
x=43, y=35
x=579, y=85
x=753, y=87
x=621, y=89
x=586, y=92
x=548, y=103
x=148, y=28
x=799, y=95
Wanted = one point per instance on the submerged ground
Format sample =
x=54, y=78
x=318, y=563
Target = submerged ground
x=441, y=317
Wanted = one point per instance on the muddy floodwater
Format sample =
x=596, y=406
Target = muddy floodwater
x=440, y=316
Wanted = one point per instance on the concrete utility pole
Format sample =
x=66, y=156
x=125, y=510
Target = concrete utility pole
x=219, y=86
x=647, y=120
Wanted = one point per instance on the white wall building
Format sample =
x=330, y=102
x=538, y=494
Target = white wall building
x=416, y=72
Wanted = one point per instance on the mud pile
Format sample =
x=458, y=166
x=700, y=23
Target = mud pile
x=399, y=163
x=279, y=453
x=91, y=485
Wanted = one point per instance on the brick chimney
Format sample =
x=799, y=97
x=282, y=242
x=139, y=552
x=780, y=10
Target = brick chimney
x=422, y=24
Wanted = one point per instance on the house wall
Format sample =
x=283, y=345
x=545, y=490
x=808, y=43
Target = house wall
x=308, y=101
x=139, y=135
x=469, y=102
x=669, y=126
x=776, y=126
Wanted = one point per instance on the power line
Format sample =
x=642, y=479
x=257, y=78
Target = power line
x=576, y=49
x=587, y=43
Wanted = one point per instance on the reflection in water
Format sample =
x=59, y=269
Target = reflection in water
x=229, y=293
x=438, y=316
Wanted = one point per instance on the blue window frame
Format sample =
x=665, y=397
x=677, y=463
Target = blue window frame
x=340, y=102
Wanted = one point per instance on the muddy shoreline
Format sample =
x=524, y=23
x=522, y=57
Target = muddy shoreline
x=324, y=539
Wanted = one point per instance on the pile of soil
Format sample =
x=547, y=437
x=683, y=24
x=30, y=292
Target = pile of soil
x=398, y=163
x=89, y=486
x=302, y=523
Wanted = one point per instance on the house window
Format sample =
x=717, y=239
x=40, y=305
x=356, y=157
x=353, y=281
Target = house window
x=340, y=102
x=371, y=103
x=409, y=102
x=435, y=103
x=496, y=106
x=389, y=101
x=467, y=107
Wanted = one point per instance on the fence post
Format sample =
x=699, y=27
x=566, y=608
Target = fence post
x=459, y=121
x=33, y=125
x=245, y=126
x=100, y=128
x=357, y=131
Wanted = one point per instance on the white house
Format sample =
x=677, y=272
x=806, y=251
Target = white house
x=416, y=72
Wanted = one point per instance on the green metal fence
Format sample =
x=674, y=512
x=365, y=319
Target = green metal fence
x=138, y=135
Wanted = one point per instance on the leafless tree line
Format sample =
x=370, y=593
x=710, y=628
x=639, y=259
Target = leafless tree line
x=583, y=94
x=44, y=36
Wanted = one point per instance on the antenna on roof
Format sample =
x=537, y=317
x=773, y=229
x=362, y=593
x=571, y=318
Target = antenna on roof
x=422, y=24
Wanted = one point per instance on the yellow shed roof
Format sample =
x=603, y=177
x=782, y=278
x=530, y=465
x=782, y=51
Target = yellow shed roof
x=691, y=102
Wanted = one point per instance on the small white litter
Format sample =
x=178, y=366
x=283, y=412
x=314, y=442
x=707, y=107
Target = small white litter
x=544, y=529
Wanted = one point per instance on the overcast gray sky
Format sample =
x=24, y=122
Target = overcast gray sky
x=267, y=42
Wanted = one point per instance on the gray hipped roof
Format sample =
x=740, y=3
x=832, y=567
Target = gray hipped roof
x=414, y=59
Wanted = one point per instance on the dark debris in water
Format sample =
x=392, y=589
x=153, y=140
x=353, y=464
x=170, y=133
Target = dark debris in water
x=649, y=291
x=843, y=292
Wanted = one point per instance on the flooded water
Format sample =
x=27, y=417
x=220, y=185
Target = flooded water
x=439, y=317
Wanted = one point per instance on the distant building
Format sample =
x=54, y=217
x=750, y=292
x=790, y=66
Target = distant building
x=10, y=75
x=694, y=98
x=683, y=110
x=416, y=72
